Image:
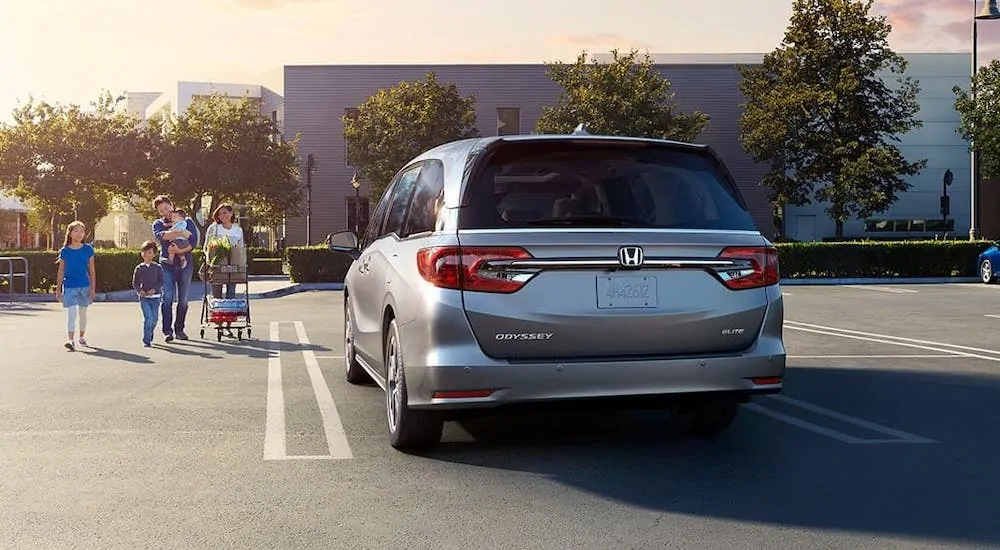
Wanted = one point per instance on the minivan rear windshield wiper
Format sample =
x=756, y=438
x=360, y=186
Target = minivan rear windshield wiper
x=609, y=221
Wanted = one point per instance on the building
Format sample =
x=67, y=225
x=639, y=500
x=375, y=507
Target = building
x=510, y=97
x=917, y=213
x=14, y=232
x=124, y=227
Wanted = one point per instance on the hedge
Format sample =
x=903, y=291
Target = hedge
x=315, y=264
x=880, y=259
x=115, y=267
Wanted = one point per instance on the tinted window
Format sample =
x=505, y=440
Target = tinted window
x=375, y=224
x=578, y=184
x=400, y=199
x=426, y=201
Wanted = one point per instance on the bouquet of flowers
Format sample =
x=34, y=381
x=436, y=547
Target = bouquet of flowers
x=217, y=251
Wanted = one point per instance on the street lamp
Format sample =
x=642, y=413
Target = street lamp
x=989, y=12
x=310, y=166
x=357, y=202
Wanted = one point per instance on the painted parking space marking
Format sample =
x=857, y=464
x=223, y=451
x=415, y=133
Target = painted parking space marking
x=947, y=356
x=927, y=345
x=889, y=289
x=275, y=434
x=895, y=436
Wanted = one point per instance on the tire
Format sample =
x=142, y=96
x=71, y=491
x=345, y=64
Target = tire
x=353, y=371
x=706, y=418
x=409, y=429
x=986, y=272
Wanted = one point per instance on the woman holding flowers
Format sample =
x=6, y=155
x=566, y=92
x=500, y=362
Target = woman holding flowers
x=219, y=237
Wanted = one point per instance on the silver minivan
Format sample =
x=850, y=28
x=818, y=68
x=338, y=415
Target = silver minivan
x=562, y=269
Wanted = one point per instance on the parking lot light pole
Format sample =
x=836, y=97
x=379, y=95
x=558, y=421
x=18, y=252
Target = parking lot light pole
x=310, y=166
x=990, y=12
x=357, y=202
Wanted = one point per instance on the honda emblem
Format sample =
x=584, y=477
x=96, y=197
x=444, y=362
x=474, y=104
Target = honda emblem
x=630, y=256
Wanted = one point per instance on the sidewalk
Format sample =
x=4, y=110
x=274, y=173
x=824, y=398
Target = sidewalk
x=259, y=287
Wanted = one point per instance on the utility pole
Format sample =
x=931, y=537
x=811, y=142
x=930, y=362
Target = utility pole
x=310, y=164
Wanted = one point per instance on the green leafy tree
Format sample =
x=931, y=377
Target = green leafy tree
x=818, y=110
x=980, y=117
x=396, y=124
x=72, y=163
x=626, y=97
x=224, y=150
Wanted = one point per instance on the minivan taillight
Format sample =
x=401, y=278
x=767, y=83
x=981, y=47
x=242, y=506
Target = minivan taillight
x=758, y=267
x=473, y=268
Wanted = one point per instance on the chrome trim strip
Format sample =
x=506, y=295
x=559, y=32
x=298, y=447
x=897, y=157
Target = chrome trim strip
x=583, y=263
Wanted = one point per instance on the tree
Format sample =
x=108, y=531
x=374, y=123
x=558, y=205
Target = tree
x=818, y=110
x=396, y=124
x=223, y=149
x=626, y=97
x=980, y=118
x=69, y=162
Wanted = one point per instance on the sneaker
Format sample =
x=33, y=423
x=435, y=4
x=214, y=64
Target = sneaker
x=168, y=338
x=83, y=342
x=69, y=345
x=182, y=336
x=147, y=345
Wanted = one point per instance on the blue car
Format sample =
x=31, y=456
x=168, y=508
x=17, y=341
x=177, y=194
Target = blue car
x=989, y=264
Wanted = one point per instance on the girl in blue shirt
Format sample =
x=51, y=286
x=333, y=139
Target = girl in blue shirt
x=76, y=285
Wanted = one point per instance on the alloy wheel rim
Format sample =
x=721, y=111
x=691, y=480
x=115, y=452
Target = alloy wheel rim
x=348, y=337
x=392, y=396
x=986, y=271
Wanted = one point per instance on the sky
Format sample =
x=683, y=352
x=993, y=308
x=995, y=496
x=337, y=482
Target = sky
x=70, y=50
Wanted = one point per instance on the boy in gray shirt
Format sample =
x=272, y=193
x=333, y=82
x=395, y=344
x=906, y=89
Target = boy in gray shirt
x=147, y=280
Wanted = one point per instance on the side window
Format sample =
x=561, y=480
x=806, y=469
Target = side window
x=422, y=214
x=400, y=200
x=374, y=230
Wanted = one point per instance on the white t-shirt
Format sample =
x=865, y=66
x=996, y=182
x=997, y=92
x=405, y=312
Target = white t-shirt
x=234, y=233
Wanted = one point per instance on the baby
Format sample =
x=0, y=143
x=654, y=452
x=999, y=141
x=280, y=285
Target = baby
x=178, y=261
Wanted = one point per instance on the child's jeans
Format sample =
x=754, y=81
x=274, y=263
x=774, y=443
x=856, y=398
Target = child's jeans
x=150, y=312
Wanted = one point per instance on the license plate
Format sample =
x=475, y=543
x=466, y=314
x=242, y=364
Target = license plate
x=626, y=292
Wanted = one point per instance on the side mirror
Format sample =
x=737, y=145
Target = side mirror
x=344, y=241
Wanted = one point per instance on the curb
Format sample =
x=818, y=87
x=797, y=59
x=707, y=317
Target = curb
x=831, y=281
x=122, y=296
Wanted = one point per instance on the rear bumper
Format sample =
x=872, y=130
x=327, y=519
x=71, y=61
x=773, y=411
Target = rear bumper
x=549, y=382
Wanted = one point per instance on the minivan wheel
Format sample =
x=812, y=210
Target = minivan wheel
x=409, y=429
x=986, y=272
x=353, y=371
x=706, y=418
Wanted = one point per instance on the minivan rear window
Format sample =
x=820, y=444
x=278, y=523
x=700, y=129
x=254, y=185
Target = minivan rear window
x=631, y=184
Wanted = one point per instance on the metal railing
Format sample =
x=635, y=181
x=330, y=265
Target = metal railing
x=10, y=274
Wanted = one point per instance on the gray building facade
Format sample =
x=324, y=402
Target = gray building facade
x=316, y=96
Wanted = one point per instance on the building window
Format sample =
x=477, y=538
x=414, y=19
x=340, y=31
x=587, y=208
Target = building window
x=351, y=113
x=909, y=226
x=358, y=214
x=508, y=121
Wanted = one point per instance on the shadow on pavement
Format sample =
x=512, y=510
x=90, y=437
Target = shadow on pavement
x=766, y=471
x=116, y=355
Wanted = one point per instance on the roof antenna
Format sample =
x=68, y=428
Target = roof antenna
x=580, y=130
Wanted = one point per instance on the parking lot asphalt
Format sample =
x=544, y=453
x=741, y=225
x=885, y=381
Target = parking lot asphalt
x=885, y=436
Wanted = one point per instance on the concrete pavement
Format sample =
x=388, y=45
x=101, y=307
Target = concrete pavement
x=882, y=438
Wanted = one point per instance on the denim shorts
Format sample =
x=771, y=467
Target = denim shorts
x=79, y=296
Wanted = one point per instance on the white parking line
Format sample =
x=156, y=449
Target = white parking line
x=992, y=315
x=948, y=356
x=898, y=436
x=336, y=438
x=328, y=356
x=939, y=347
x=274, y=434
x=882, y=289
